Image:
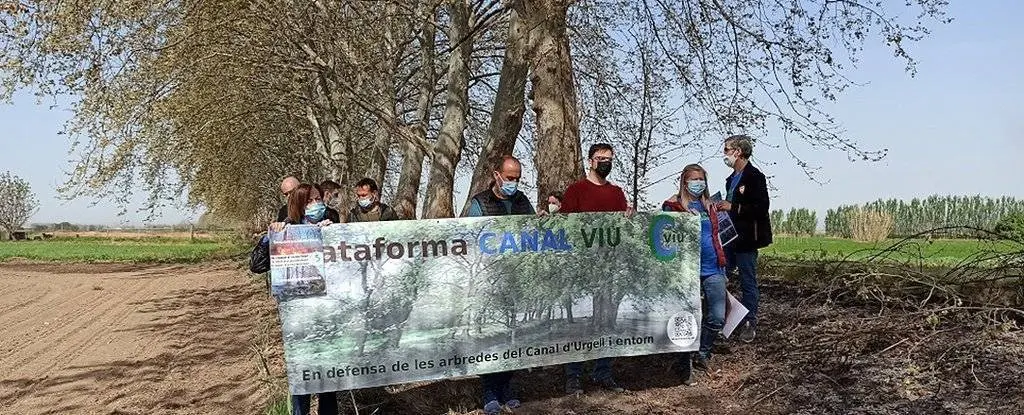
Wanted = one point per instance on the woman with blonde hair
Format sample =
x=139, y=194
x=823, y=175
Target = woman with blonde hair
x=693, y=197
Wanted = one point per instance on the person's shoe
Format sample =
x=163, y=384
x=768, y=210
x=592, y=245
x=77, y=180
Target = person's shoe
x=721, y=345
x=609, y=384
x=684, y=371
x=492, y=408
x=749, y=333
x=573, y=386
x=700, y=362
x=513, y=403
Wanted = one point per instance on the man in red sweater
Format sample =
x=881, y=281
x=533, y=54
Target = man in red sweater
x=594, y=194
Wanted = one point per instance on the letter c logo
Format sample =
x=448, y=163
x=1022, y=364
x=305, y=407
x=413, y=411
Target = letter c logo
x=659, y=225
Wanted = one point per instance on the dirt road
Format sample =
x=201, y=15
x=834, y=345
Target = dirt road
x=121, y=339
x=109, y=339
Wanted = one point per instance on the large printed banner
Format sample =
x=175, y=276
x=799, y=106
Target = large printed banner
x=371, y=304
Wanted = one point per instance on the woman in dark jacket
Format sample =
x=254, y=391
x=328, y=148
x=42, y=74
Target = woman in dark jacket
x=305, y=207
x=693, y=197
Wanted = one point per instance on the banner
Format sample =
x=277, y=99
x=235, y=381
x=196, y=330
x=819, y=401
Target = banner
x=379, y=303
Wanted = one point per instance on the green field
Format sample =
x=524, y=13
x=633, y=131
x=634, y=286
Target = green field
x=930, y=252
x=184, y=250
x=149, y=250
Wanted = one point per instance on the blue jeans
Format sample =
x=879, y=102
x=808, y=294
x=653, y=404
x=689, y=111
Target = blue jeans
x=747, y=264
x=497, y=387
x=714, y=298
x=328, y=404
x=602, y=369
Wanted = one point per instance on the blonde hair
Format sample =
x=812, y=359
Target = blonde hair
x=682, y=181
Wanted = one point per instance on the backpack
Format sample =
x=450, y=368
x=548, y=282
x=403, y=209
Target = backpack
x=259, y=258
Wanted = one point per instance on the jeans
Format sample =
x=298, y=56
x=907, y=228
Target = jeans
x=747, y=264
x=328, y=404
x=602, y=369
x=497, y=387
x=714, y=299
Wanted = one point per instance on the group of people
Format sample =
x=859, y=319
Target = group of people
x=746, y=202
x=319, y=204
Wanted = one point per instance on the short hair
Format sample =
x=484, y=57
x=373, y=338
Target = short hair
x=598, y=147
x=558, y=195
x=743, y=142
x=328, y=186
x=501, y=162
x=368, y=182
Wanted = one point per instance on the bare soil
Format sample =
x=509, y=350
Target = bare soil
x=133, y=339
x=810, y=357
x=129, y=339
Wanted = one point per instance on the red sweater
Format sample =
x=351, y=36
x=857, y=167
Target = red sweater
x=585, y=196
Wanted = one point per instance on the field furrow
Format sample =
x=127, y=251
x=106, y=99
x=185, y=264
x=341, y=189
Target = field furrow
x=145, y=340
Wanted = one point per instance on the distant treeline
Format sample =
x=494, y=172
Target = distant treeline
x=798, y=221
x=920, y=215
x=75, y=227
x=908, y=218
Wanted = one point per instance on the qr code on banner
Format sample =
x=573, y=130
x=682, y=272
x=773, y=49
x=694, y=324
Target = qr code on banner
x=682, y=328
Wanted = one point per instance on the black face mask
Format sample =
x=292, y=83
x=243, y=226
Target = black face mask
x=603, y=168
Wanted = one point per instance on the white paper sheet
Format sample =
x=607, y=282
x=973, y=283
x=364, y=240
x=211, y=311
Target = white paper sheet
x=733, y=315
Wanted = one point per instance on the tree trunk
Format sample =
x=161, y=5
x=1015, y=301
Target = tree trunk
x=414, y=147
x=567, y=304
x=597, y=310
x=377, y=153
x=363, y=334
x=451, y=139
x=509, y=106
x=554, y=96
x=379, y=159
x=407, y=196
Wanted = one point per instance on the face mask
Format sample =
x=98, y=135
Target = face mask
x=332, y=202
x=730, y=161
x=603, y=168
x=509, y=188
x=315, y=212
x=365, y=203
x=552, y=208
x=696, y=187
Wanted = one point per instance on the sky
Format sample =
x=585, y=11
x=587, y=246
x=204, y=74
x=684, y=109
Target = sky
x=957, y=127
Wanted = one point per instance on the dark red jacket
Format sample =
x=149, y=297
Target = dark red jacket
x=672, y=205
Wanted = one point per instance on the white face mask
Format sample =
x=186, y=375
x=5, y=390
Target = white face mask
x=730, y=161
x=552, y=207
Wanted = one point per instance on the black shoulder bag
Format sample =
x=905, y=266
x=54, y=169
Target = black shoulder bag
x=259, y=258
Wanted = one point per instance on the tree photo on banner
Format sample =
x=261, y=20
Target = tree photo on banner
x=410, y=301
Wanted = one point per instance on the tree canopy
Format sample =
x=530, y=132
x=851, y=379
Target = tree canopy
x=215, y=102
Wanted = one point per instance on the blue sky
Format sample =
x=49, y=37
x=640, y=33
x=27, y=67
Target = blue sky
x=955, y=128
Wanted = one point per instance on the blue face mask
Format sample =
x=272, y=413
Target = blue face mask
x=508, y=188
x=315, y=212
x=696, y=187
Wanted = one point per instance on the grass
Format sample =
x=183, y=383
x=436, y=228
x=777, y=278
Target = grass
x=132, y=250
x=932, y=252
x=181, y=249
x=279, y=406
